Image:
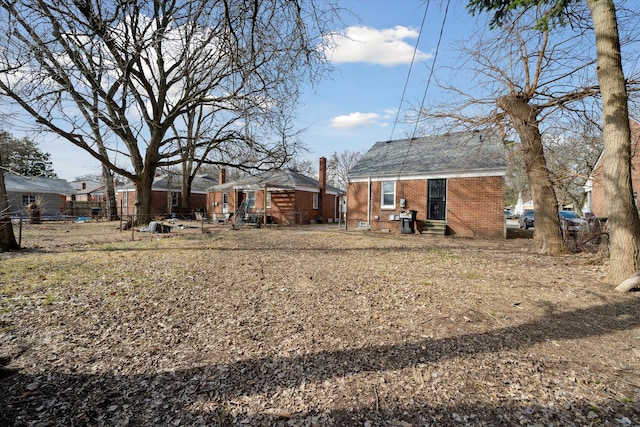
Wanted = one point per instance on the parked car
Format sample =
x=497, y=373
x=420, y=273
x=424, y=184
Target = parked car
x=572, y=222
x=508, y=213
x=526, y=220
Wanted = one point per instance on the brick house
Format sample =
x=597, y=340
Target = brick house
x=594, y=187
x=287, y=197
x=89, y=191
x=449, y=184
x=166, y=195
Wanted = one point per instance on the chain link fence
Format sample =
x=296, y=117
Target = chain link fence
x=62, y=231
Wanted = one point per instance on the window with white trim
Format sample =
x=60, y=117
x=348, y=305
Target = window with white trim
x=225, y=202
x=388, y=195
x=27, y=199
x=315, y=200
x=268, y=199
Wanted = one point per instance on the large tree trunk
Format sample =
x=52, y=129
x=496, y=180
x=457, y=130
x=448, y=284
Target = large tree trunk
x=623, y=222
x=7, y=238
x=144, y=193
x=185, y=191
x=548, y=235
x=112, y=205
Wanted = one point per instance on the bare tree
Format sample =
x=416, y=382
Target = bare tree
x=572, y=153
x=7, y=237
x=624, y=223
x=338, y=167
x=524, y=78
x=150, y=64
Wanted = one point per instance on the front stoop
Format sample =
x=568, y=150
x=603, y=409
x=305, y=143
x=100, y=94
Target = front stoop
x=434, y=226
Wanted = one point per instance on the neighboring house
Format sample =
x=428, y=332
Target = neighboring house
x=49, y=193
x=166, y=195
x=90, y=199
x=288, y=197
x=594, y=187
x=89, y=191
x=451, y=183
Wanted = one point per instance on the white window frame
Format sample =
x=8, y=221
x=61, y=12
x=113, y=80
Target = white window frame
x=315, y=200
x=225, y=202
x=384, y=192
x=175, y=198
x=268, y=199
x=27, y=199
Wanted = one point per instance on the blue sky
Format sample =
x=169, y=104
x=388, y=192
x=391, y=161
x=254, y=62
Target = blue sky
x=359, y=103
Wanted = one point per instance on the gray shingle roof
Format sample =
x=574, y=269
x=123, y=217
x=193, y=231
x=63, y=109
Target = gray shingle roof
x=461, y=152
x=37, y=185
x=277, y=178
x=200, y=183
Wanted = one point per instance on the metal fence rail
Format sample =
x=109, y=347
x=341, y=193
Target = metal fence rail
x=83, y=231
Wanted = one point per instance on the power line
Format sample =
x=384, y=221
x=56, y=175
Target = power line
x=426, y=89
x=413, y=59
x=433, y=66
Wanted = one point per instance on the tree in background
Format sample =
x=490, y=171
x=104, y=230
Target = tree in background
x=23, y=157
x=623, y=220
x=132, y=72
x=524, y=82
x=339, y=165
x=8, y=240
x=571, y=155
x=304, y=167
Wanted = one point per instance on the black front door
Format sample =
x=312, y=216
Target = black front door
x=437, y=199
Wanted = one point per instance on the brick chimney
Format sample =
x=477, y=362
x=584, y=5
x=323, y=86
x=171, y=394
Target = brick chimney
x=322, y=178
x=222, y=176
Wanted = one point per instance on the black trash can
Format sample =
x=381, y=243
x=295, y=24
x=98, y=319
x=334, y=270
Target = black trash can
x=407, y=222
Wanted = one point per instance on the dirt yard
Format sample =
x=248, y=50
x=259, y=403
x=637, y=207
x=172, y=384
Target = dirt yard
x=315, y=327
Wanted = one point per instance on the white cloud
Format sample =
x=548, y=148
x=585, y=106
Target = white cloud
x=365, y=44
x=354, y=119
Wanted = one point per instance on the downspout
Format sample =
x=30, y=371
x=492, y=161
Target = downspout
x=369, y=202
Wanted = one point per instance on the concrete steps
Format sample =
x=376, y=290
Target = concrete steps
x=433, y=226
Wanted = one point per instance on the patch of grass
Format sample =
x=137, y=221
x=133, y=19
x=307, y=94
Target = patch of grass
x=50, y=299
x=472, y=275
x=627, y=400
x=8, y=289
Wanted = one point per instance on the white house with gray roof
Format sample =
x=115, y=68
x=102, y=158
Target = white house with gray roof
x=49, y=193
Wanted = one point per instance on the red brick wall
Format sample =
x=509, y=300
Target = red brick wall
x=356, y=203
x=287, y=207
x=159, y=203
x=475, y=206
x=598, y=202
x=128, y=206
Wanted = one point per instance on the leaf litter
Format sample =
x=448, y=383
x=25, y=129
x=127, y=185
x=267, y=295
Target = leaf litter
x=315, y=327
